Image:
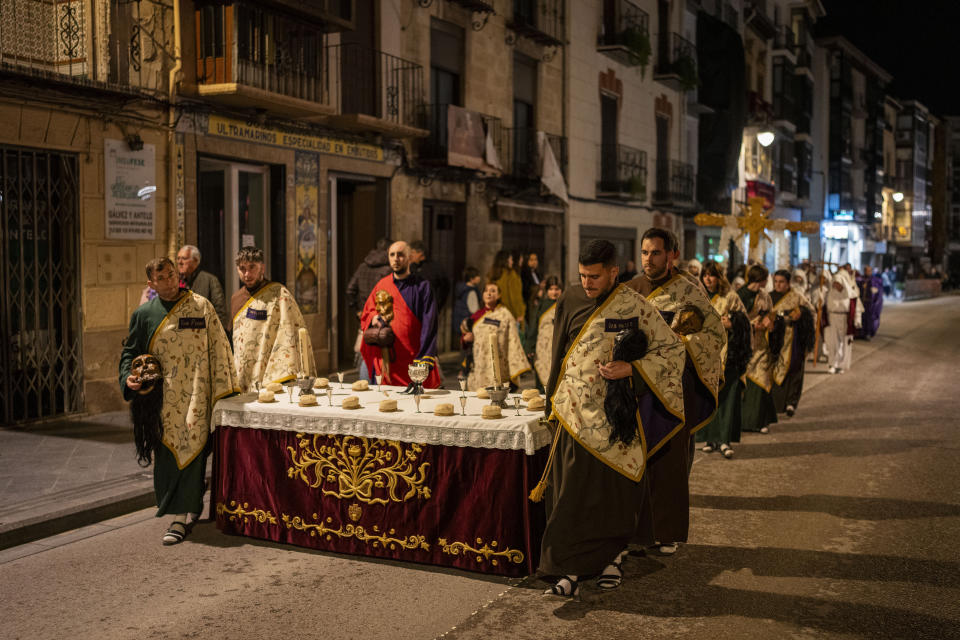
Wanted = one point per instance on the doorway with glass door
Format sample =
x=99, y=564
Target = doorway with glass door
x=234, y=211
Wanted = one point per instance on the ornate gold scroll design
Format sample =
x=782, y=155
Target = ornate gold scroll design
x=484, y=553
x=371, y=471
x=375, y=537
x=240, y=513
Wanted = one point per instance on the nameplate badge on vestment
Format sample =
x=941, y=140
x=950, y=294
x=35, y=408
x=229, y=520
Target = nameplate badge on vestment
x=193, y=323
x=492, y=321
x=257, y=314
x=616, y=325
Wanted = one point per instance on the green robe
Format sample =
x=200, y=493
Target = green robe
x=192, y=382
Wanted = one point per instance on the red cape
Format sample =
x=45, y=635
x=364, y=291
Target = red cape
x=406, y=345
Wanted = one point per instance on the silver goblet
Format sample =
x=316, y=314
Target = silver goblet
x=340, y=378
x=379, y=382
x=463, y=405
x=516, y=403
x=330, y=395
x=418, y=372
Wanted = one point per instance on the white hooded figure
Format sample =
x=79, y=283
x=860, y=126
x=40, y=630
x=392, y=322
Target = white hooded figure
x=799, y=282
x=838, y=344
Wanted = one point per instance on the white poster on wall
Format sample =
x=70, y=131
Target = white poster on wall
x=131, y=185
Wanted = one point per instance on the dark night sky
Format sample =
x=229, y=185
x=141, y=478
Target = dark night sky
x=917, y=42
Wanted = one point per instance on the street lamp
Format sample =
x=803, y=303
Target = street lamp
x=898, y=196
x=765, y=138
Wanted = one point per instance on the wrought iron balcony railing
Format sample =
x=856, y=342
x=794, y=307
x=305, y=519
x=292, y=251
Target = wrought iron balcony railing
x=676, y=63
x=675, y=182
x=539, y=20
x=625, y=33
x=44, y=37
x=621, y=172
x=458, y=137
x=248, y=45
x=367, y=83
x=523, y=159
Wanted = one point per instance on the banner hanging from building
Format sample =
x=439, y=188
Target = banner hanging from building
x=130, y=189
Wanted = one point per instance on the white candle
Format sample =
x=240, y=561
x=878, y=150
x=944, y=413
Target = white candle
x=304, y=344
x=495, y=354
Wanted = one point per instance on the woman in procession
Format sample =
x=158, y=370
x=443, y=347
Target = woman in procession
x=538, y=340
x=498, y=354
x=758, y=408
x=724, y=428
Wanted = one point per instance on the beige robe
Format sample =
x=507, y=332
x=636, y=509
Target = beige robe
x=788, y=303
x=578, y=402
x=265, y=338
x=544, y=347
x=197, y=371
x=760, y=367
x=499, y=327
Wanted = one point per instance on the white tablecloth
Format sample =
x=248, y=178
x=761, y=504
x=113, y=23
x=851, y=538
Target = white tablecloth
x=523, y=432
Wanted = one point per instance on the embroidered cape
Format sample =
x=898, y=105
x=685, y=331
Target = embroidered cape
x=197, y=371
x=760, y=367
x=544, y=347
x=578, y=401
x=790, y=301
x=265, y=338
x=500, y=327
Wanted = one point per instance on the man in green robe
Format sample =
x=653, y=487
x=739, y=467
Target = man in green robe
x=181, y=329
x=595, y=483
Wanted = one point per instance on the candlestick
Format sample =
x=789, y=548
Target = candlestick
x=304, y=343
x=494, y=353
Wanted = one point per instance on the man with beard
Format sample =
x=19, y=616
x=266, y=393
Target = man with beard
x=794, y=330
x=182, y=331
x=594, y=481
x=266, y=327
x=412, y=329
x=672, y=292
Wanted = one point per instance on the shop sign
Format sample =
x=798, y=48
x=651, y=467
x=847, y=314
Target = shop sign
x=238, y=130
x=131, y=184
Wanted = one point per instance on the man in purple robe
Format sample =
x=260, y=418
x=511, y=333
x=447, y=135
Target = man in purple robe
x=871, y=295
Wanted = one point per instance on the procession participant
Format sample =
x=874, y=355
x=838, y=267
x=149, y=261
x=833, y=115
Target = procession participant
x=841, y=314
x=538, y=339
x=757, y=409
x=493, y=333
x=267, y=340
x=200, y=281
x=799, y=282
x=724, y=428
x=794, y=329
x=671, y=291
x=182, y=331
x=511, y=287
x=594, y=480
x=399, y=324
x=871, y=295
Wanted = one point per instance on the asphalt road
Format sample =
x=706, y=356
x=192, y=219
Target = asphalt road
x=843, y=522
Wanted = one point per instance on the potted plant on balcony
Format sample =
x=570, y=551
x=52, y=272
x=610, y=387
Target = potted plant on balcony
x=686, y=68
x=637, y=42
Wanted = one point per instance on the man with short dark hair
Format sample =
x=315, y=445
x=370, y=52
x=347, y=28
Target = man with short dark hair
x=676, y=294
x=266, y=327
x=200, y=281
x=180, y=329
x=595, y=478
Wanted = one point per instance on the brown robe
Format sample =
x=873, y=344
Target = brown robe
x=592, y=511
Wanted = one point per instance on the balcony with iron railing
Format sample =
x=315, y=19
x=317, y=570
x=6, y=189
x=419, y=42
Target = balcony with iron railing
x=625, y=33
x=375, y=91
x=676, y=64
x=252, y=57
x=787, y=180
x=459, y=137
x=524, y=160
x=785, y=42
x=55, y=41
x=621, y=172
x=541, y=21
x=675, y=183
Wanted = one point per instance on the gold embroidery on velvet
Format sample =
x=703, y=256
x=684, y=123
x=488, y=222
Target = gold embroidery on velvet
x=374, y=537
x=485, y=552
x=240, y=513
x=370, y=471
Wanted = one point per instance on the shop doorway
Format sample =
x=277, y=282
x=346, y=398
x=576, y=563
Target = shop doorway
x=234, y=206
x=41, y=368
x=360, y=215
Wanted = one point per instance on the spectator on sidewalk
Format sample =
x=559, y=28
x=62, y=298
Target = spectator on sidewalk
x=199, y=281
x=530, y=275
x=421, y=265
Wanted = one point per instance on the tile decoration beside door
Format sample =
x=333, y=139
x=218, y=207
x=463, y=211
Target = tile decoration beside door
x=307, y=203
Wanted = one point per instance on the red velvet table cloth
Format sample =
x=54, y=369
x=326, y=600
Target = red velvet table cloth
x=443, y=505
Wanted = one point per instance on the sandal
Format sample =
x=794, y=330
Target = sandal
x=561, y=588
x=726, y=451
x=707, y=448
x=175, y=533
x=612, y=576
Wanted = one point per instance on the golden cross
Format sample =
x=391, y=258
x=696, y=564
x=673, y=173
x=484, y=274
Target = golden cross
x=754, y=222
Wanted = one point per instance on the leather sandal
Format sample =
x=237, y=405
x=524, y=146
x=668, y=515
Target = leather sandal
x=566, y=587
x=612, y=576
x=175, y=533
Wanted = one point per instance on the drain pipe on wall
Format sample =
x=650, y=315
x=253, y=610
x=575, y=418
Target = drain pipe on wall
x=172, y=222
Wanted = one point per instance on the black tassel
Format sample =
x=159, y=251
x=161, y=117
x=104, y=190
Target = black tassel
x=776, y=335
x=804, y=330
x=620, y=404
x=146, y=413
x=739, y=349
